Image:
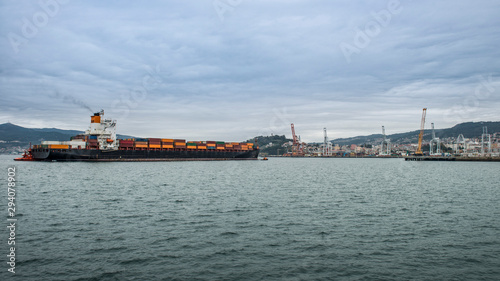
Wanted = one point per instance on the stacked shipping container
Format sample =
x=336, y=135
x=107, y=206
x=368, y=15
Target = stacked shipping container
x=126, y=144
x=180, y=143
x=154, y=143
x=167, y=143
x=91, y=142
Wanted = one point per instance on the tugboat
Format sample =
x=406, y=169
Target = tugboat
x=27, y=156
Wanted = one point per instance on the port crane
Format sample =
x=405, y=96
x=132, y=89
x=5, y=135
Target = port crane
x=297, y=148
x=387, y=143
x=436, y=141
x=327, y=145
x=485, y=136
x=421, y=135
x=460, y=140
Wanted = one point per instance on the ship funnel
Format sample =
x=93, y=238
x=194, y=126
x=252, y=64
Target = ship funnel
x=96, y=118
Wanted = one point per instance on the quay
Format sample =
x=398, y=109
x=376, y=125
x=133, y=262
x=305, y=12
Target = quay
x=452, y=158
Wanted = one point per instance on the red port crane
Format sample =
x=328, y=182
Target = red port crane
x=296, y=147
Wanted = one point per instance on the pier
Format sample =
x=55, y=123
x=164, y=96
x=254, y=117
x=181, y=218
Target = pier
x=452, y=158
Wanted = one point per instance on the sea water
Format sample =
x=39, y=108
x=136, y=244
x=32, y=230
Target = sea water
x=282, y=219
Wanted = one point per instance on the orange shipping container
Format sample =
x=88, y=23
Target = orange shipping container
x=141, y=145
x=202, y=147
x=155, y=146
x=168, y=146
x=59, y=146
x=167, y=140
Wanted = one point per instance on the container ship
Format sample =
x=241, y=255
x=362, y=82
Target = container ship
x=99, y=143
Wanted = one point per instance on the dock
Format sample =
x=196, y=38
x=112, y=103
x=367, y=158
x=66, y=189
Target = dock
x=452, y=158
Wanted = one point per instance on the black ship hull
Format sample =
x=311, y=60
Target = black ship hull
x=41, y=154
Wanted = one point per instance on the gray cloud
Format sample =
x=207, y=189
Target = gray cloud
x=227, y=79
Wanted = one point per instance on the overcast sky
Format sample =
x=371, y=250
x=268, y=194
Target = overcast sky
x=234, y=69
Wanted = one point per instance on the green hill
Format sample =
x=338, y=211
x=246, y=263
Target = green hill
x=11, y=132
x=15, y=138
x=271, y=145
x=468, y=129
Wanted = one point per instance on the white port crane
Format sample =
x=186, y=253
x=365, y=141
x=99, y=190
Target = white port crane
x=485, y=136
x=385, y=143
x=327, y=145
x=433, y=141
x=460, y=140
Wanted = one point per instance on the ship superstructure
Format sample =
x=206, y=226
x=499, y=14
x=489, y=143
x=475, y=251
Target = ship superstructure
x=103, y=130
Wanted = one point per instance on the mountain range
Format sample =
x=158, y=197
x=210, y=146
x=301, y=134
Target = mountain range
x=15, y=138
x=468, y=130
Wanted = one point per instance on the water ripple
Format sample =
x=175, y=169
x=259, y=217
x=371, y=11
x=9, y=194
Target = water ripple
x=282, y=219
